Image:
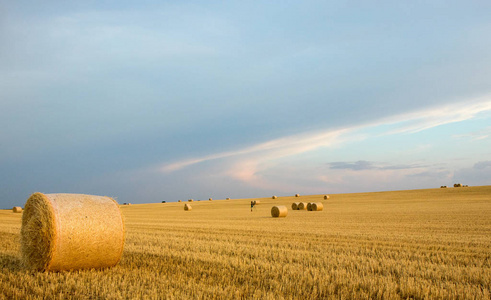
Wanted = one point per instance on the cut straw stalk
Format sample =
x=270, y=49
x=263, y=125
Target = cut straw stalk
x=71, y=231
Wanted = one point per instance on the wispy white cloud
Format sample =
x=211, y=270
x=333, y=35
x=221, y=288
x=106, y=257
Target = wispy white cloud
x=409, y=123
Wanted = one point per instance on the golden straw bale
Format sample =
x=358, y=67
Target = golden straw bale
x=297, y=195
x=17, y=209
x=190, y=200
x=227, y=199
x=187, y=207
x=295, y=205
x=210, y=199
x=309, y=206
x=274, y=197
x=257, y=202
x=279, y=211
x=302, y=206
x=326, y=197
x=178, y=200
x=71, y=231
x=317, y=206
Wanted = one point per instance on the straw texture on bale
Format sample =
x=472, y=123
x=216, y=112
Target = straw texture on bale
x=317, y=206
x=309, y=206
x=295, y=205
x=326, y=197
x=257, y=202
x=302, y=206
x=297, y=195
x=274, y=197
x=279, y=211
x=187, y=207
x=71, y=231
x=17, y=209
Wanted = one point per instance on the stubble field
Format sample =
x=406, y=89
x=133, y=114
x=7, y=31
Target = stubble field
x=407, y=244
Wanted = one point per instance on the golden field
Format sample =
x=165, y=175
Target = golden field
x=415, y=244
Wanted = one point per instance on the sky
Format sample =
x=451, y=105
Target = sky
x=150, y=101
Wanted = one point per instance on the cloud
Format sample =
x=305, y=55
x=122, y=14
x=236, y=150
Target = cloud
x=409, y=123
x=476, y=135
x=367, y=165
x=478, y=174
x=482, y=165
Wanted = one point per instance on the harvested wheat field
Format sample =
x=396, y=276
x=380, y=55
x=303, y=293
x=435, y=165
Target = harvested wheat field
x=414, y=244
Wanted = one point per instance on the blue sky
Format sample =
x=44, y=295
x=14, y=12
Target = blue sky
x=168, y=100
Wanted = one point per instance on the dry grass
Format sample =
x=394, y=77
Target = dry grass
x=396, y=245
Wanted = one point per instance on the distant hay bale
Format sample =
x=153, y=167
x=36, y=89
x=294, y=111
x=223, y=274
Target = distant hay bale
x=302, y=206
x=71, y=231
x=443, y=187
x=210, y=199
x=190, y=200
x=316, y=206
x=279, y=211
x=326, y=197
x=457, y=185
x=295, y=205
x=309, y=206
x=17, y=209
x=274, y=197
x=227, y=199
x=187, y=207
x=257, y=202
x=178, y=200
x=297, y=195
x=163, y=201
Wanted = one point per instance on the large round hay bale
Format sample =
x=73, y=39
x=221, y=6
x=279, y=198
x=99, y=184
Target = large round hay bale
x=187, y=207
x=178, y=200
x=317, y=206
x=297, y=195
x=302, y=206
x=274, y=197
x=309, y=206
x=190, y=200
x=279, y=211
x=210, y=199
x=17, y=209
x=71, y=231
x=257, y=202
x=326, y=197
x=227, y=199
x=295, y=205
